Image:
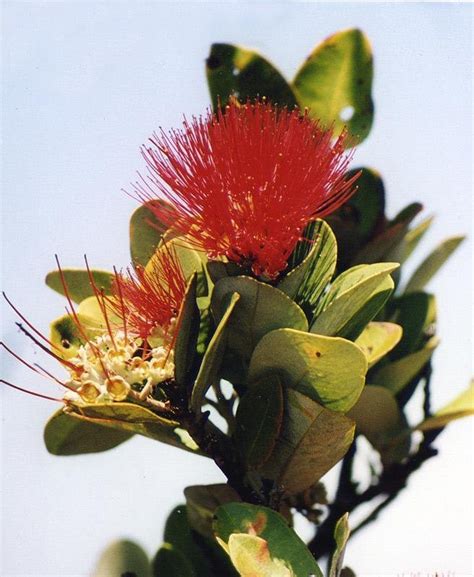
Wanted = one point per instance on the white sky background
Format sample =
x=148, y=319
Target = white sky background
x=85, y=84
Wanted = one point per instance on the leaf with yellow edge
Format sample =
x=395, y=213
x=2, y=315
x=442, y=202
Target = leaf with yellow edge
x=461, y=406
x=377, y=339
x=280, y=542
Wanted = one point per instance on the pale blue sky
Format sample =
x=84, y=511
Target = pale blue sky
x=85, y=83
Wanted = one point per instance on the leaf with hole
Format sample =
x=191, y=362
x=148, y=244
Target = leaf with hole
x=281, y=541
x=329, y=370
x=233, y=71
x=335, y=83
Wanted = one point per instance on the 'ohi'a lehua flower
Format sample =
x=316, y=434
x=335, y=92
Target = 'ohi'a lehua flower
x=243, y=183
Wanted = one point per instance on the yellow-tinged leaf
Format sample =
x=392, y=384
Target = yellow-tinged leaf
x=461, y=406
x=251, y=557
x=377, y=339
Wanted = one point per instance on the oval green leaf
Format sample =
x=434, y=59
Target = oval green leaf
x=186, y=339
x=66, y=435
x=329, y=370
x=312, y=440
x=261, y=309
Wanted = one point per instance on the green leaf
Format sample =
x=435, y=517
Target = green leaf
x=377, y=415
x=78, y=282
x=123, y=557
x=359, y=218
x=186, y=339
x=312, y=440
x=430, y=266
x=416, y=313
x=202, y=502
x=259, y=419
x=354, y=299
x=337, y=75
x=261, y=309
x=66, y=435
x=179, y=535
x=146, y=232
x=132, y=418
x=341, y=536
x=170, y=562
x=189, y=260
x=244, y=74
x=282, y=542
x=377, y=339
x=211, y=363
x=461, y=406
x=385, y=245
x=329, y=370
x=397, y=374
x=307, y=281
x=413, y=237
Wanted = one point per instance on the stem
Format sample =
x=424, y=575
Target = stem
x=390, y=483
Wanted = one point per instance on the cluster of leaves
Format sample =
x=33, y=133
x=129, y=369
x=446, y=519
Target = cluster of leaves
x=331, y=350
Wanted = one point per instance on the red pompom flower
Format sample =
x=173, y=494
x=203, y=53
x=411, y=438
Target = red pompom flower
x=243, y=183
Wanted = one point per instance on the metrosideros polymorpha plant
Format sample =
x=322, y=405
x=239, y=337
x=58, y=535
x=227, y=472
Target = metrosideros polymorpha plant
x=264, y=322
